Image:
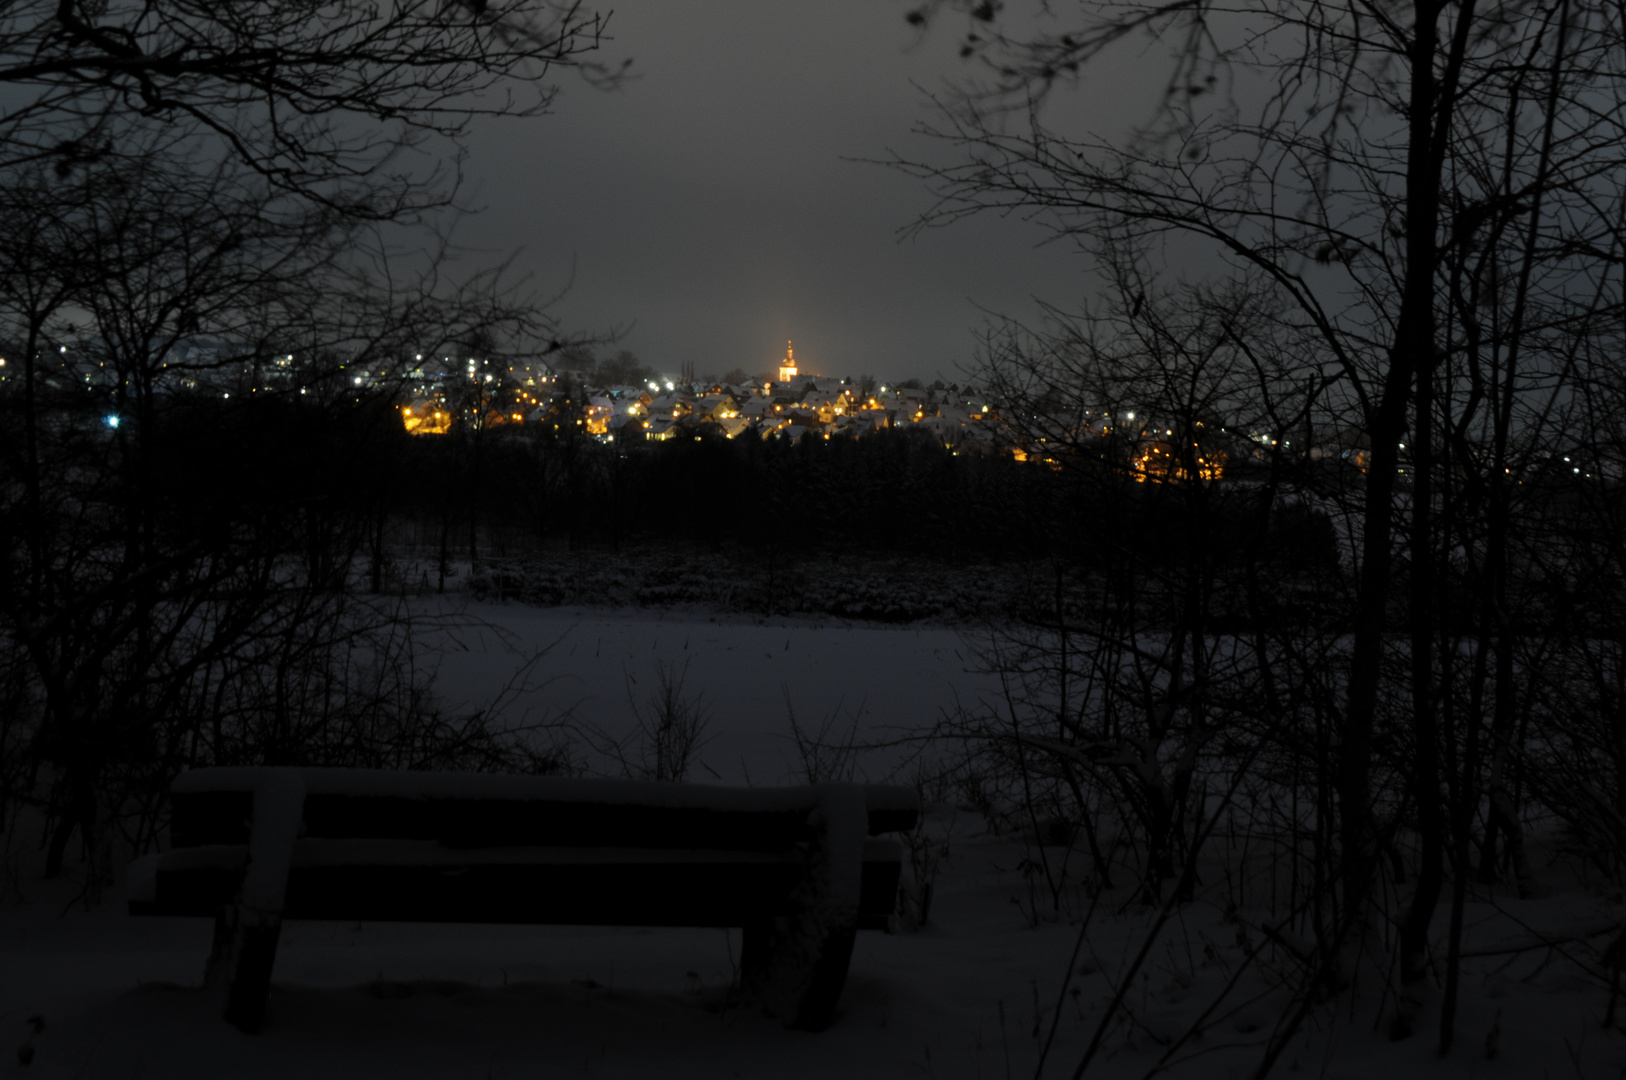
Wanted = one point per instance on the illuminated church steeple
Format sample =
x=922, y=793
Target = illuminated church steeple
x=787, y=366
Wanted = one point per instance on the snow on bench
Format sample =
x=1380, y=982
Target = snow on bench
x=799, y=869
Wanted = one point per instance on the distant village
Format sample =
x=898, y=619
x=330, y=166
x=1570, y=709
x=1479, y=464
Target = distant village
x=621, y=403
x=959, y=417
x=792, y=404
x=787, y=403
x=796, y=405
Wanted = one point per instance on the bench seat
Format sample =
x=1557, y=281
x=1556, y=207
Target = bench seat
x=800, y=870
x=426, y=881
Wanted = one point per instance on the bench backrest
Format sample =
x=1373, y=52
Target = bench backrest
x=468, y=810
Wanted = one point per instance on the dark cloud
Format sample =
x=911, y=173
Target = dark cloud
x=713, y=203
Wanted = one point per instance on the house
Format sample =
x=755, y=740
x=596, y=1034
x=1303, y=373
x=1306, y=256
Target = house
x=946, y=431
x=599, y=411
x=668, y=405
x=627, y=429
x=869, y=421
x=717, y=407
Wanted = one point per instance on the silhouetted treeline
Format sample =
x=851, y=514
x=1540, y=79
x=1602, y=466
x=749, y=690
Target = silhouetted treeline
x=1267, y=543
x=894, y=492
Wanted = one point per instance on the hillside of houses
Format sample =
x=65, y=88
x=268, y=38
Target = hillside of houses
x=661, y=410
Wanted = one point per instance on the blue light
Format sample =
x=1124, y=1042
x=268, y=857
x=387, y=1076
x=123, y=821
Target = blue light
x=112, y=420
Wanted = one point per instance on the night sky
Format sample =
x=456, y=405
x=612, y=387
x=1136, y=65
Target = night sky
x=711, y=208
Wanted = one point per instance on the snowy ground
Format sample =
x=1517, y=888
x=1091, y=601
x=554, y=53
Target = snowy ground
x=876, y=683
x=974, y=994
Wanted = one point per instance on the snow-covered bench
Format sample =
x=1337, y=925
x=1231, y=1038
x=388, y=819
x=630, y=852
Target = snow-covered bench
x=797, y=868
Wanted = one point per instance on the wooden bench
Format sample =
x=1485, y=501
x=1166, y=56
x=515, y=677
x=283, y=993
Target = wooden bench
x=796, y=868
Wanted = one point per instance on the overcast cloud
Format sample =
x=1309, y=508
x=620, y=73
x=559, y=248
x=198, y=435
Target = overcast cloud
x=712, y=209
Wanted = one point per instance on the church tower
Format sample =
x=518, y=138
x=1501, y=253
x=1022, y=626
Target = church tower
x=787, y=366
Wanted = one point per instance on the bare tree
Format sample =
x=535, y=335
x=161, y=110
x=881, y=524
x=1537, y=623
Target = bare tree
x=1430, y=192
x=203, y=409
x=1153, y=651
x=323, y=103
x=206, y=323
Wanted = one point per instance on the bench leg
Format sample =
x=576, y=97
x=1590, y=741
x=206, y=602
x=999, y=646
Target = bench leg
x=794, y=964
x=239, y=970
x=795, y=971
x=246, y=930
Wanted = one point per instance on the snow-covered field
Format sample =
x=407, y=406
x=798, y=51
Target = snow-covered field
x=974, y=994
x=877, y=684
